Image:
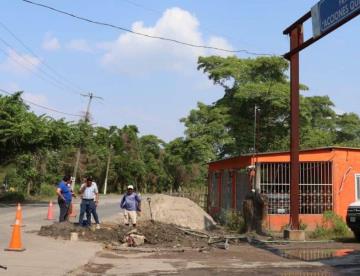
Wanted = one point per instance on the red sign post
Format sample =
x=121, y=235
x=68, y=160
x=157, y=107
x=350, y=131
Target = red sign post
x=337, y=12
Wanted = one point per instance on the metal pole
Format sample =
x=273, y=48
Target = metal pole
x=107, y=170
x=296, y=39
x=86, y=119
x=254, y=142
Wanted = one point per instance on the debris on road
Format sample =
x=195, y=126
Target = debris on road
x=154, y=233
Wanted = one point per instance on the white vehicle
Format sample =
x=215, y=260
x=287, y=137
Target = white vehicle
x=353, y=218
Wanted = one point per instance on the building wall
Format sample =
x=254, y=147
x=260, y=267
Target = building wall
x=346, y=163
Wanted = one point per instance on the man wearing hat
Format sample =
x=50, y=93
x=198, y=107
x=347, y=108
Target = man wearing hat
x=131, y=202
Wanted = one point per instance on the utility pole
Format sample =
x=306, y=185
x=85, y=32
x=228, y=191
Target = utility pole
x=91, y=96
x=255, y=140
x=107, y=169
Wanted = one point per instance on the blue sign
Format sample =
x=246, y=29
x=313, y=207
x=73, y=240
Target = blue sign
x=328, y=13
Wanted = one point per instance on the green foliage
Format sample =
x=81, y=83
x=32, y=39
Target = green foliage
x=234, y=221
x=332, y=227
x=302, y=226
x=47, y=190
x=41, y=149
x=12, y=197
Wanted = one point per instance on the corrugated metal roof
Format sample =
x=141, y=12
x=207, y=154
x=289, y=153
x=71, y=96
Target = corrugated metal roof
x=288, y=152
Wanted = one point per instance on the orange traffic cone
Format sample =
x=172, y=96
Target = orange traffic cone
x=50, y=214
x=72, y=211
x=15, y=243
x=18, y=215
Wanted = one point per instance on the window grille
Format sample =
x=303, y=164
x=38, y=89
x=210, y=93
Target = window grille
x=226, y=191
x=357, y=187
x=315, y=187
x=214, y=190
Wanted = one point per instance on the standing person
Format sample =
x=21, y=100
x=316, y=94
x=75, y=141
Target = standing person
x=69, y=184
x=64, y=198
x=89, y=201
x=131, y=202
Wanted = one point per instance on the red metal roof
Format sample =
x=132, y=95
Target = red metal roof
x=331, y=148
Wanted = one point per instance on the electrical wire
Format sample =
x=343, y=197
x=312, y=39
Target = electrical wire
x=60, y=76
x=143, y=34
x=32, y=67
x=209, y=30
x=41, y=106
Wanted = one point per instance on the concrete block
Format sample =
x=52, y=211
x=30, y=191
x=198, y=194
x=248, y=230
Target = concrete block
x=294, y=235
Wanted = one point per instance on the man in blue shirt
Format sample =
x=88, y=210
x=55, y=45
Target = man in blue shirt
x=131, y=202
x=64, y=198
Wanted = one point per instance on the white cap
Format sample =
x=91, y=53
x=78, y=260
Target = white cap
x=131, y=187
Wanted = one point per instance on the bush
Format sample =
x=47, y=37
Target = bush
x=302, y=225
x=332, y=227
x=234, y=221
x=12, y=197
x=47, y=190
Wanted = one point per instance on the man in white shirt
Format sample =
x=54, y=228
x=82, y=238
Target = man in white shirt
x=89, y=201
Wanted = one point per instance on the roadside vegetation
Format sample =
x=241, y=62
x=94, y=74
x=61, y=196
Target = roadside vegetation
x=36, y=151
x=332, y=228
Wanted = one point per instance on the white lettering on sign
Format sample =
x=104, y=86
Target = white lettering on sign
x=335, y=17
x=347, y=8
x=327, y=13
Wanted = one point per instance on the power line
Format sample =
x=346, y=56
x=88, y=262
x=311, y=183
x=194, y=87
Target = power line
x=146, y=35
x=60, y=76
x=155, y=11
x=41, y=106
x=33, y=65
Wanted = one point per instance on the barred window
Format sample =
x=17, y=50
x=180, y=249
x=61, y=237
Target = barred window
x=315, y=187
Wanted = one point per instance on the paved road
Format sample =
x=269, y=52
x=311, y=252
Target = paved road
x=44, y=256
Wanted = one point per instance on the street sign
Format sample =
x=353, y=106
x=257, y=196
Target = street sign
x=329, y=13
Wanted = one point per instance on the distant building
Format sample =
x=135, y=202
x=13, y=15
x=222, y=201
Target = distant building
x=329, y=180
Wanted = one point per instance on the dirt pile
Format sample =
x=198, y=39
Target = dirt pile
x=172, y=210
x=156, y=233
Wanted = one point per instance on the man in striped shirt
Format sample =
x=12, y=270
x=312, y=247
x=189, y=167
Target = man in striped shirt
x=89, y=201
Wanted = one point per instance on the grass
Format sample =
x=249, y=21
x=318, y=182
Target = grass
x=332, y=228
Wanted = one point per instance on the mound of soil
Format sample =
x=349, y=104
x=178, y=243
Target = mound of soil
x=156, y=234
x=172, y=210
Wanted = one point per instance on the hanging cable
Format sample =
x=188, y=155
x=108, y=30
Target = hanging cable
x=31, y=68
x=33, y=65
x=50, y=68
x=206, y=28
x=41, y=106
x=146, y=35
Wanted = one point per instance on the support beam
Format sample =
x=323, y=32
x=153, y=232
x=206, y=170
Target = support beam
x=296, y=39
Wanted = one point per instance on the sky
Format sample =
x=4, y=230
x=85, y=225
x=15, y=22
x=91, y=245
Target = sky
x=152, y=83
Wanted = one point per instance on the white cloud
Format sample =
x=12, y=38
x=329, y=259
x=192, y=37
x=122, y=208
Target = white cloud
x=80, y=45
x=19, y=63
x=135, y=54
x=50, y=43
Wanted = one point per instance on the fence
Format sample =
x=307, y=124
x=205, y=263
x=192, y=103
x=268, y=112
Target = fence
x=198, y=196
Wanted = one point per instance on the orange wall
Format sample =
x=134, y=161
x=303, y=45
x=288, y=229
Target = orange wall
x=346, y=163
x=278, y=222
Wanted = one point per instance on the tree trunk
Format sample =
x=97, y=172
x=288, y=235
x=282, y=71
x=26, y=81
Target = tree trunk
x=28, y=188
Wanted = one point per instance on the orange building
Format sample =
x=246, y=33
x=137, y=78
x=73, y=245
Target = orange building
x=329, y=180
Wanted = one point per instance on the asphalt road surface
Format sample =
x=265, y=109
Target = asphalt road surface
x=43, y=255
x=48, y=256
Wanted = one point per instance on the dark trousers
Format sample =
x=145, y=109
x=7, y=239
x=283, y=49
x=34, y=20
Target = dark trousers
x=64, y=209
x=88, y=207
